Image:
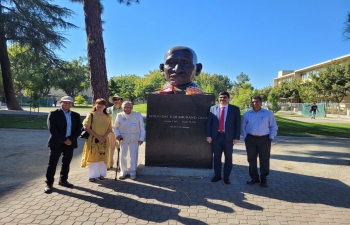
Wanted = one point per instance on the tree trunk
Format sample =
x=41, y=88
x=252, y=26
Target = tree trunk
x=96, y=49
x=10, y=96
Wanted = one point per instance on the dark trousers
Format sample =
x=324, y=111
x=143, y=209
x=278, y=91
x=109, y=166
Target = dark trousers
x=67, y=152
x=258, y=146
x=220, y=145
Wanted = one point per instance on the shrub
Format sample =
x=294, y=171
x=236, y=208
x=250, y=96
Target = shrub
x=80, y=100
x=274, y=108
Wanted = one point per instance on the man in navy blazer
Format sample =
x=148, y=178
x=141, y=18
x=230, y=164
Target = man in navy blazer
x=65, y=127
x=223, y=131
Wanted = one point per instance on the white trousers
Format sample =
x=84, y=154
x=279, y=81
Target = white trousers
x=133, y=150
x=97, y=169
x=113, y=145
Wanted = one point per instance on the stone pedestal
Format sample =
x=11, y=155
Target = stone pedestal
x=175, y=131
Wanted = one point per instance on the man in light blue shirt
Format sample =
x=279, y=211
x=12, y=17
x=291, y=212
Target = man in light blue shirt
x=259, y=128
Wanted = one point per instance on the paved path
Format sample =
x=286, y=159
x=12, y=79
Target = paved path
x=309, y=184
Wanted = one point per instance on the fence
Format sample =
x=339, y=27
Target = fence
x=329, y=108
x=43, y=102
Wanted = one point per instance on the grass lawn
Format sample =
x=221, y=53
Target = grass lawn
x=288, y=114
x=74, y=108
x=141, y=108
x=286, y=127
x=24, y=121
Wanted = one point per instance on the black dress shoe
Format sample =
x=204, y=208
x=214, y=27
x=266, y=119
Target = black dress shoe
x=227, y=181
x=253, y=181
x=65, y=184
x=263, y=183
x=215, y=179
x=48, y=189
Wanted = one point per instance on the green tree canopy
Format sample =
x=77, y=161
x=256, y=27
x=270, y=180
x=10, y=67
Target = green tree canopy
x=151, y=82
x=307, y=92
x=36, y=24
x=289, y=89
x=125, y=86
x=32, y=72
x=273, y=98
x=242, y=78
x=263, y=93
x=72, y=77
x=346, y=32
x=333, y=82
x=213, y=83
x=243, y=98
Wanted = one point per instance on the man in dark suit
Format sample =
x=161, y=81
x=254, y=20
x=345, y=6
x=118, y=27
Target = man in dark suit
x=223, y=131
x=65, y=127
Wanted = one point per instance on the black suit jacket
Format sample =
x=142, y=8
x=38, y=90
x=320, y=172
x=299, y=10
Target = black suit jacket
x=232, y=124
x=57, y=124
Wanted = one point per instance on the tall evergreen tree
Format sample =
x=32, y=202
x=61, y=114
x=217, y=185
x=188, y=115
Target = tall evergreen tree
x=346, y=32
x=95, y=46
x=37, y=24
x=242, y=78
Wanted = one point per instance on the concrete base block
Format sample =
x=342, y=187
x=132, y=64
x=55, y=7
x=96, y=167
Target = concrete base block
x=172, y=171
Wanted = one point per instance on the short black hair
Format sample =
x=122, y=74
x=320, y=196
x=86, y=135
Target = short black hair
x=256, y=97
x=224, y=93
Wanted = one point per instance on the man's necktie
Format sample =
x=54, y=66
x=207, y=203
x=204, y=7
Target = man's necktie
x=222, y=120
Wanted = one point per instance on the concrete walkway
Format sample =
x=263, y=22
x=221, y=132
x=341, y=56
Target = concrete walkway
x=308, y=184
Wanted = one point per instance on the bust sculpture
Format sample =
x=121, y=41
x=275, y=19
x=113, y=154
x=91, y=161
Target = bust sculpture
x=180, y=68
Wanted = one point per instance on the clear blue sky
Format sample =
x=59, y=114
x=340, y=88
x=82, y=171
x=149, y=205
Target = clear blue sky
x=256, y=37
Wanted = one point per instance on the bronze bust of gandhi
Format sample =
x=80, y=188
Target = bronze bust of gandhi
x=179, y=68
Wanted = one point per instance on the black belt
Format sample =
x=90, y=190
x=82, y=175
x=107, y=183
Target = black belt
x=257, y=136
x=221, y=132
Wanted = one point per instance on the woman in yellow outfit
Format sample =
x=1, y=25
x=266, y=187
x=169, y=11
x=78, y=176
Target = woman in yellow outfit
x=96, y=148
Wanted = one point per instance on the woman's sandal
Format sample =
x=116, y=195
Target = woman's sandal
x=92, y=179
x=101, y=178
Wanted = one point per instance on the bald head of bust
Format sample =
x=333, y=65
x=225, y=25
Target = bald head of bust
x=180, y=66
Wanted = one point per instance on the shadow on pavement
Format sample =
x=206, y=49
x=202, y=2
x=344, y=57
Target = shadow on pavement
x=130, y=206
x=297, y=188
x=158, y=199
x=337, y=160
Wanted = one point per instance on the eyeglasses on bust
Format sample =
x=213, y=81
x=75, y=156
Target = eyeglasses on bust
x=117, y=99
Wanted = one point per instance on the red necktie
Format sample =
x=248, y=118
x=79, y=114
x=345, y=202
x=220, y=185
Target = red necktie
x=222, y=119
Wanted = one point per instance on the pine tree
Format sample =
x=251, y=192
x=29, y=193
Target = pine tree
x=37, y=24
x=95, y=46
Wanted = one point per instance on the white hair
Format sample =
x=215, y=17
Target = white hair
x=126, y=102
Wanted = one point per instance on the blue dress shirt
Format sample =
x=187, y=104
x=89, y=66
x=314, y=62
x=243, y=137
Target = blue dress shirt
x=259, y=123
x=69, y=122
